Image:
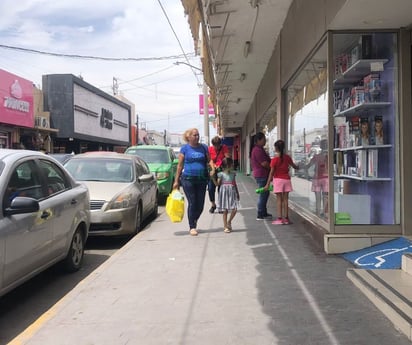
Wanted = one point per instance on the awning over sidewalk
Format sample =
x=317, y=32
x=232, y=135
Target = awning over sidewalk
x=193, y=9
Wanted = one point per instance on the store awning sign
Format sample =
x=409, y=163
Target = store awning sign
x=16, y=106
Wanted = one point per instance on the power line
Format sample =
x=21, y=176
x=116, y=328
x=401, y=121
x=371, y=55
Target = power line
x=178, y=41
x=92, y=57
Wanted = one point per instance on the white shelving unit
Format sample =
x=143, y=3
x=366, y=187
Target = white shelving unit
x=359, y=69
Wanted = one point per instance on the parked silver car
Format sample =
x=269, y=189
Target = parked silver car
x=123, y=191
x=44, y=217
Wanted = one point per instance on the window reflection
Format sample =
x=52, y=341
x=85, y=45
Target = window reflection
x=308, y=135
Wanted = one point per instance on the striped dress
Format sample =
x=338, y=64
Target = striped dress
x=227, y=199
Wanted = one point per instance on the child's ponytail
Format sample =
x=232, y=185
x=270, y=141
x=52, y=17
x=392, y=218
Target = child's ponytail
x=280, y=146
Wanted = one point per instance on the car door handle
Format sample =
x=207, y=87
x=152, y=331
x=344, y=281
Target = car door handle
x=45, y=215
x=73, y=202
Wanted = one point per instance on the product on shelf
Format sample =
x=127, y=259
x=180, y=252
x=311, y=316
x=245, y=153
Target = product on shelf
x=378, y=130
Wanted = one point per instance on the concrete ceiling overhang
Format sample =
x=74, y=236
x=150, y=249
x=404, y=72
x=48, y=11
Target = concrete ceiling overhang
x=373, y=14
x=238, y=66
x=242, y=37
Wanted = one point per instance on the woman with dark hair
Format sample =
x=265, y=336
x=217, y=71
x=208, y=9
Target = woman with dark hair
x=260, y=162
x=217, y=152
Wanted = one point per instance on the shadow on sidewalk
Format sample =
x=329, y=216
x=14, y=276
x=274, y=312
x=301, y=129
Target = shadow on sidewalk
x=305, y=292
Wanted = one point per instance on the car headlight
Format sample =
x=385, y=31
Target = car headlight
x=123, y=200
x=162, y=175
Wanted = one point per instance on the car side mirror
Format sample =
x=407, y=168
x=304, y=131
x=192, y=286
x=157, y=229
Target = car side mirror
x=21, y=204
x=176, y=160
x=146, y=178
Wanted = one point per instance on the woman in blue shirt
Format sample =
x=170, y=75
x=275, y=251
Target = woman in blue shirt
x=192, y=173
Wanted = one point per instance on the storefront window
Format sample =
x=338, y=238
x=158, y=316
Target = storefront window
x=270, y=128
x=365, y=128
x=307, y=102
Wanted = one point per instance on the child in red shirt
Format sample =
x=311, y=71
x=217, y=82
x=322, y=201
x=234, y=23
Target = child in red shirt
x=282, y=185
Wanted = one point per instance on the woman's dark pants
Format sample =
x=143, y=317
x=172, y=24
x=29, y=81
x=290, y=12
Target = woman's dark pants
x=211, y=188
x=195, y=192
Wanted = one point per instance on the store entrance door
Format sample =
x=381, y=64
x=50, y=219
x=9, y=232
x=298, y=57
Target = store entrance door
x=4, y=141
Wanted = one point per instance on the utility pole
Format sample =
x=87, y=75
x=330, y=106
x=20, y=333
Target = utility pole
x=137, y=129
x=115, y=86
x=205, y=103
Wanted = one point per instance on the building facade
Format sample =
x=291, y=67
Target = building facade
x=338, y=76
x=23, y=121
x=88, y=118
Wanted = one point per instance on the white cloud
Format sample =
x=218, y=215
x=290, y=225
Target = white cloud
x=165, y=95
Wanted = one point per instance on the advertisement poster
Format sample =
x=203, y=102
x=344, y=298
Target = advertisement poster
x=16, y=106
x=201, y=106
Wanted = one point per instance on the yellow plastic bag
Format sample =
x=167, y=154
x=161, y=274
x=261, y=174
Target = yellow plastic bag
x=175, y=206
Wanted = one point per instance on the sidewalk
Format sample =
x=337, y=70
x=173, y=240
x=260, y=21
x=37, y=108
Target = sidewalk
x=259, y=285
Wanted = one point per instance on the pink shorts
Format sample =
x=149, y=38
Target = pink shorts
x=281, y=185
x=320, y=185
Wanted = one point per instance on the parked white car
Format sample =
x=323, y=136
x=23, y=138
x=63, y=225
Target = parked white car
x=44, y=218
x=123, y=191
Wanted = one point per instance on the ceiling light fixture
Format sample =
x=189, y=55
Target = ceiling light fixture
x=246, y=49
x=242, y=76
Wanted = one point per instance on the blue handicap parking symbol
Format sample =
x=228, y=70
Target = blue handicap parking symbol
x=384, y=255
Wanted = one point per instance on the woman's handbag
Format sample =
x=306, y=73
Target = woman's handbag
x=175, y=206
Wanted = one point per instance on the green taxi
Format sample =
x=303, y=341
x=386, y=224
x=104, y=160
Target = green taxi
x=162, y=161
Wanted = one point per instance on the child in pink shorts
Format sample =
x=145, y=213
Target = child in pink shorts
x=282, y=185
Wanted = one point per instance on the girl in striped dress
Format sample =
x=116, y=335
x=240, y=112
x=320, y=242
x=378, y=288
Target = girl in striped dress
x=228, y=199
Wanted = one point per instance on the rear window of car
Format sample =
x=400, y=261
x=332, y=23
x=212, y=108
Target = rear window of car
x=151, y=155
x=104, y=170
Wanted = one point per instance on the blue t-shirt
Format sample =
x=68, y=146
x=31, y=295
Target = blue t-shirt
x=195, y=162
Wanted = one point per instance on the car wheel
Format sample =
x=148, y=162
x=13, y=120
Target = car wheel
x=138, y=224
x=74, y=258
x=155, y=207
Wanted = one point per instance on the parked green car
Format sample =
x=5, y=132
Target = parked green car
x=162, y=161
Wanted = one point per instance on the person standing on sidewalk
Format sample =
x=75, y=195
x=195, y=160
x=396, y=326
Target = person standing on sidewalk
x=192, y=173
x=260, y=162
x=282, y=185
x=228, y=193
x=236, y=157
x=217, y=152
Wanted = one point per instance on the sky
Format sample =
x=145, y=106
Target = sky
x=147, y=37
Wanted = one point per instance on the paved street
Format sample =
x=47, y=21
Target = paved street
x=261, y=284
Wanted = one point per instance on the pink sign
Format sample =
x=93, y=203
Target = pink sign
x=16, y=106
x=201, y=106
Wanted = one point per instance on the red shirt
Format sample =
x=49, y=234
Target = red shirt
x=281, y=166
x=220, y=153
x=236, y=153
x=321, y=166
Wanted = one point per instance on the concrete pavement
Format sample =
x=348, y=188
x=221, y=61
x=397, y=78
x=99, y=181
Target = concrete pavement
x=261, y=284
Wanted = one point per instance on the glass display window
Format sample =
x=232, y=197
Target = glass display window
x=365, y=164
x=308, y=136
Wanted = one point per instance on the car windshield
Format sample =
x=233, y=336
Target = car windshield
x=151, y=155
x=104, y=170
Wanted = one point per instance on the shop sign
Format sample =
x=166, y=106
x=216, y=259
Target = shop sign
x=16, y=106
x=98, y=116
x=106, y=119
x=211, y=109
